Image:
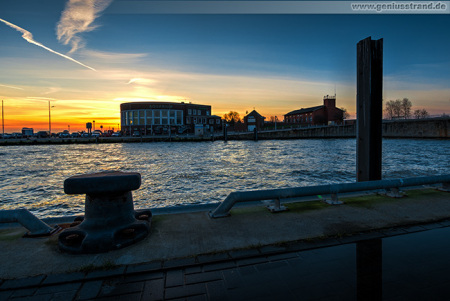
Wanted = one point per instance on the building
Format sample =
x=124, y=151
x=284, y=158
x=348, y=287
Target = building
x=156, y=118
x=319, y=115
x=254, y=120
x=27, y=132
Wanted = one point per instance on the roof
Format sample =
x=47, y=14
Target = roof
x=306, y=110
x=254, y=113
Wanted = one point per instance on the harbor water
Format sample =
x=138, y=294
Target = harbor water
x=176, y=174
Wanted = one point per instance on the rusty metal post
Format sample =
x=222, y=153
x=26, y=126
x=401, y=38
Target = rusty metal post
x=369, y=109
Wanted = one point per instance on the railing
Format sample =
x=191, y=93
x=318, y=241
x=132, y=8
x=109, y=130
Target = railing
x=27, y=220
x=259, y=195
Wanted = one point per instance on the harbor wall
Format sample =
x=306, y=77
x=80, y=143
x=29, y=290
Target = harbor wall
x=436, y=128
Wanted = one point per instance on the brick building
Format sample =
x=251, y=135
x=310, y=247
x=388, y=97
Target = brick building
x=319, y=115
x=254, y=120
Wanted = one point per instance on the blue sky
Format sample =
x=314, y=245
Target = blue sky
x=274, y=63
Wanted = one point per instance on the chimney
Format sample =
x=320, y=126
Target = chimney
x=329, y=101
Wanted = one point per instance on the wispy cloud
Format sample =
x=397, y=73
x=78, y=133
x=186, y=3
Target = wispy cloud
x=141, y=81
x=41, y=98
x=78, y=17
x=11, y=87
x=115, y=57
x=29, y=38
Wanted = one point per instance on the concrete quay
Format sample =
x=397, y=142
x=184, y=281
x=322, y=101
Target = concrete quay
x=301, y=254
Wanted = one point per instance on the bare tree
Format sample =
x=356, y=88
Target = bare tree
x=345, y=114
x=390, y=109
x=417, y=113
x=421, y=113
x=424, y=113
x=406, y=108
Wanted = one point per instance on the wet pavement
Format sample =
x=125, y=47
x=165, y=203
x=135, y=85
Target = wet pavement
x=371, y=248
x=411, y=263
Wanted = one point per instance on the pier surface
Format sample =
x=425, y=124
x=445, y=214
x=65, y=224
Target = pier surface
x=191, y=255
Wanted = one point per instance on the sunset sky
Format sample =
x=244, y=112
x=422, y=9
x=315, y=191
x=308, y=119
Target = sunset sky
x=88, y=59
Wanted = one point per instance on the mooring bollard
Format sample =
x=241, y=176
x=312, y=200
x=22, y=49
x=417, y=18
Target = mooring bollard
x=110, y=221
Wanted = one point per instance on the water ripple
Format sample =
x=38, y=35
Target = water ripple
x=199, y=173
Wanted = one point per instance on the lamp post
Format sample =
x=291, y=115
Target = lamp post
x=94, y=124
x=68, y=127
x=49, y=120
x=3, y=122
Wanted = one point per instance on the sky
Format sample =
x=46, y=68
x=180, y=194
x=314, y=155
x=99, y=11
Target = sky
x=87, y=57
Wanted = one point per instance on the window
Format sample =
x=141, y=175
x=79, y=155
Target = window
x=130, y=117
x=149, y=117
x=156, y=117
x=207, y=113
x=188, y=120
x=135, y=117
x=141, y=117
x=179, y=118
x=189, y=112
x=195, y=120
x=217, y=121
x=195, y=112
x=211, y=121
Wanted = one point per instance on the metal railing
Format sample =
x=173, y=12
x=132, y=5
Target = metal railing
x=259, y=195
x=28, y=220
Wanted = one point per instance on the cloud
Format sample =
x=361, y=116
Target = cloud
x=78, y=17
x=114, y=57
x=11, y=87
x=29, y=38
x=141, y=81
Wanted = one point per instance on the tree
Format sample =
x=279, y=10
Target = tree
x=232, y=117
x=398, y=108
x=406, y=108
x=421, y=113
x=390, y=109
x=345, y=114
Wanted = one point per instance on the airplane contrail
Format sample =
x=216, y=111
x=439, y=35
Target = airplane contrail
x=29, y=38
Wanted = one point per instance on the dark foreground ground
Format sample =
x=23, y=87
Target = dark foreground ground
x=371, y=248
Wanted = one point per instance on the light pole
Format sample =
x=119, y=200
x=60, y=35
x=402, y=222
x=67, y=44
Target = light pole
x=94, y=124
x=3, y=122
x=49, y=120
x=68, y=127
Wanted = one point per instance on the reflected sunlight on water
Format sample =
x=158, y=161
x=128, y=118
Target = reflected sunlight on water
x=197, y=173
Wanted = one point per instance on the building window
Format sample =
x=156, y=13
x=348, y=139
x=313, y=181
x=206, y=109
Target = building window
x=195, y=120
x=149, y=119
x=141, y=117
x=135, y=117
x=179, y=118
x=189, y=112
x=188, y=120
x=211, y=121
x=157, y=117
x=207, y=113
x=195, y=112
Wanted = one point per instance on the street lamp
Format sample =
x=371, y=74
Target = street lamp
x=49, y=119
x=94, y=124
x=3, y=122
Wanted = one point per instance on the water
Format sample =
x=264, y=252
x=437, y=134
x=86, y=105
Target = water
x=199, y=172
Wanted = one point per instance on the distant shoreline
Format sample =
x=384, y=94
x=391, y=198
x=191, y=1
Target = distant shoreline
x=437, y=128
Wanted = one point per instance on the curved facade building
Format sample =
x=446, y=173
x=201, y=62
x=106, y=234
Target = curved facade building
x=156, y=118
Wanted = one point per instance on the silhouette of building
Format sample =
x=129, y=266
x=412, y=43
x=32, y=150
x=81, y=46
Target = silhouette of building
x=319, y=115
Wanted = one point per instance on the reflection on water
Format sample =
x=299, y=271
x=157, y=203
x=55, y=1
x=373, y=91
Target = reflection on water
x=198, y=173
